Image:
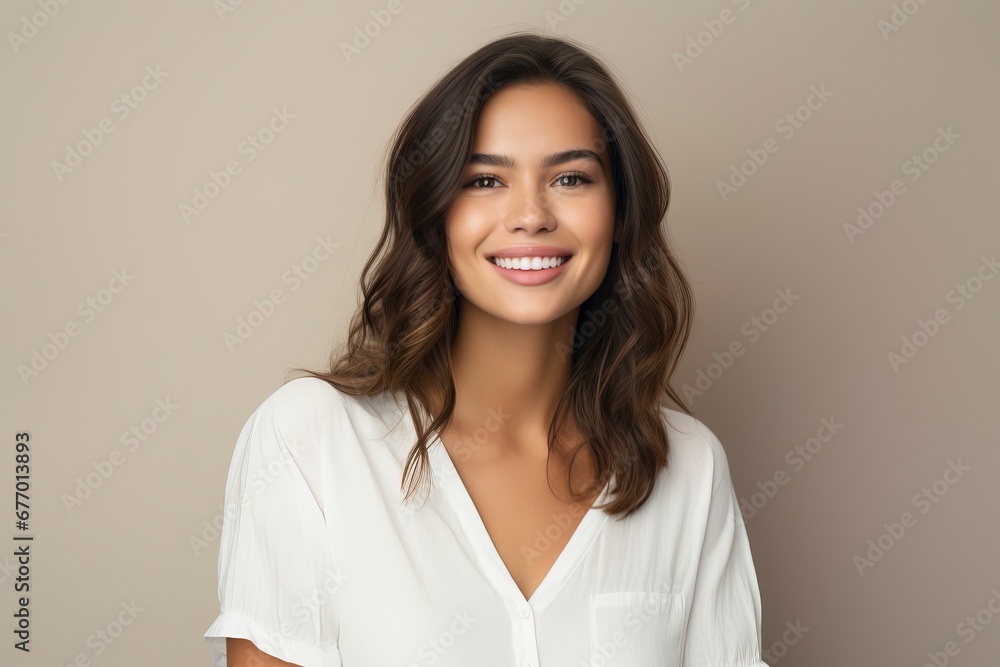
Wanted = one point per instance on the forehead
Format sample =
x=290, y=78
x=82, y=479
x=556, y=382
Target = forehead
x=530, y=119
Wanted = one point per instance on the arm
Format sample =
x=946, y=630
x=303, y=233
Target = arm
x=275, y=551
x=243, y=653
x=724, y=628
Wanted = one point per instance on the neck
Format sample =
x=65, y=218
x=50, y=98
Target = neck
x=509, y=378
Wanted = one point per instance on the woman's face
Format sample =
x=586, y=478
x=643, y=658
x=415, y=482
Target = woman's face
x=524, y=194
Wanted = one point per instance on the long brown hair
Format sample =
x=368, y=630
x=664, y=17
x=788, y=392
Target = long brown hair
x=630, y=333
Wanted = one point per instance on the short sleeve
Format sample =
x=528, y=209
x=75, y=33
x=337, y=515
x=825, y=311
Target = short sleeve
x=277, y=585
x=724, y=628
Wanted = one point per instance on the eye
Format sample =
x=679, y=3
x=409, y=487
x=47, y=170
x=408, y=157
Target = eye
x=578, y=175
x=480, y=177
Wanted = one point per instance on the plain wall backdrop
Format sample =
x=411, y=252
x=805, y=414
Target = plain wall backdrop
x=834, y=174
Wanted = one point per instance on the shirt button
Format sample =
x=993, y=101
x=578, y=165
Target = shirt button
x=524, y=612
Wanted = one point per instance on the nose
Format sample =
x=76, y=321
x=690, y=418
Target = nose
x=530, y=212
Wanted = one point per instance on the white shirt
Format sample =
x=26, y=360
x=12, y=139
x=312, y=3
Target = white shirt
x=321, y=564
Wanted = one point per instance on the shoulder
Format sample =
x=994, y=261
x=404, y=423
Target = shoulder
x=295, y=408
x=305, y=392
x=292, y=429
x=695, y=451
x=312, y=413
x=292, y=421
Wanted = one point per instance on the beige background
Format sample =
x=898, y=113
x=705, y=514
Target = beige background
x=63, y=234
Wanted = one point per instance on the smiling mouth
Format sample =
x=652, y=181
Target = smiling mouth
x=529, y=263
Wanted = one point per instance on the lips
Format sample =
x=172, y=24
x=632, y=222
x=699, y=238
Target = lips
x=531, y=277
x=532, y=263
x=530, y=252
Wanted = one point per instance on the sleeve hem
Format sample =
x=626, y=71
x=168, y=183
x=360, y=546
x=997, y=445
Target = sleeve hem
x=752, y=663
x=229, y=624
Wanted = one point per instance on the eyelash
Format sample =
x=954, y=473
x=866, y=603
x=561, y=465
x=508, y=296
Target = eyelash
x=574, y=174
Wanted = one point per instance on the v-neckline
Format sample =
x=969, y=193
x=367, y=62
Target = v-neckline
x=453, y=488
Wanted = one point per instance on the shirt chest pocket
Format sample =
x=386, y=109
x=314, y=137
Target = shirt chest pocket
x=637, y=629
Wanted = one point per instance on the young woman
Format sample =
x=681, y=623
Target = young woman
x=488, y=476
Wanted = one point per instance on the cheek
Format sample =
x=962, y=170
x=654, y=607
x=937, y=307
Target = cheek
x=470, y=216
x=595, y=224
x=464, y=239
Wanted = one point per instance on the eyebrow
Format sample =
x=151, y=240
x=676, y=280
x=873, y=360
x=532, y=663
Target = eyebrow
x=508, y=162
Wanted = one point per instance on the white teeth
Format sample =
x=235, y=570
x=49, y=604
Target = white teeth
x=528, y=263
